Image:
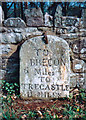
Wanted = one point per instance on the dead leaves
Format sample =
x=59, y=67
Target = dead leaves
x=53, y=109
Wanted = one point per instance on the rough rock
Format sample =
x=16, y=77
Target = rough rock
x=3, y=63
x=45, y=28
x=31, y=29
x=3, y=29
x=66, y=30
x=79, y=46
x=76, y=48
x=83, y=56
x=36, y=33
x=61, y=31
x=2, y=74
x=48, y=19
x=72, y=29
x=82, y=30
x=78, y=65
x=5, y=49
x=18, y=37
x=1, y=16
x=18, y=30
x=30, y=35
x=58, y=15
x=78, y=79
x=34, y=17
x=83, y=50
x=70, y=36
x=7, y=38
x=11, y=37
x=27, y=30
x=14, y=22
x=73, y=80
x=70, y=21
x=9, y=30
x=84, y=17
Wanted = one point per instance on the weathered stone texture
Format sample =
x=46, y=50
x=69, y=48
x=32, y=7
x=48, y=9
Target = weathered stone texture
x=34, y=17
x=68, y=29
x=45, y=28
x=84, y=17
x=7, y=50
x=1, y=16
x=27, y=30
x=78, y=79
x=79, y=47
x=48, y=19
x=78, y=66
x=3, y=29
x=14, y=22
x=58, y=16
x=70, y=21
x=10, y=38
x=4, y=49
x=43, y=67
x=2, y=74
x=31, y=29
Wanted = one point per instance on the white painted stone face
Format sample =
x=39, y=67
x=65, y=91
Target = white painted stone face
x=44, y=68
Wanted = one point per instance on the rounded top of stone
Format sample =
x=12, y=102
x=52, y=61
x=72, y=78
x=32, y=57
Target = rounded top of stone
x=51, y=39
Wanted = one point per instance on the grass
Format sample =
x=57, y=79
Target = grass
x=72, y=108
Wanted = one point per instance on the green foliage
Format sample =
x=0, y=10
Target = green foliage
x=82, y=95
x=10, y=88
x=73, y=110
x=11, y=91
x=48, y=116
x=8, y=114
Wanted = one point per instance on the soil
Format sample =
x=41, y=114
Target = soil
x=34, y=104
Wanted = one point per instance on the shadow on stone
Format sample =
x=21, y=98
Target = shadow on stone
x=12, y=68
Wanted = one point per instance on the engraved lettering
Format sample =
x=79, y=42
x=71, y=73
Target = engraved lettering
x=52, y=87
x=30, y=87
x=47, y=87
x=47, y=79
x=38, y=52
x=36, y=86
x=37, y=71
x=29, y=93
x=45, y=52
x=32, y=62
x=42, y=78
x=42, y=86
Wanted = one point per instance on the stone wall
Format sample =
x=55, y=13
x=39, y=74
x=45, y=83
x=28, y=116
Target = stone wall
x=14, y=32
x=84, y=17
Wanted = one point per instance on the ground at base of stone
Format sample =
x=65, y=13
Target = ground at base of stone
x=34, y=104
x=41, y=108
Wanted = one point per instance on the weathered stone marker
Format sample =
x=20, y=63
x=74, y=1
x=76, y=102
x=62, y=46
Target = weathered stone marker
x=44, y=68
